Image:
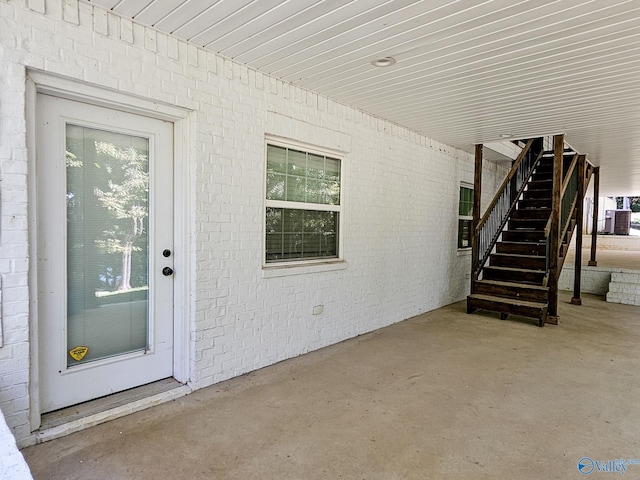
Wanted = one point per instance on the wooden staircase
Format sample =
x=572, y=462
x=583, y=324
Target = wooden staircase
x=514, y=276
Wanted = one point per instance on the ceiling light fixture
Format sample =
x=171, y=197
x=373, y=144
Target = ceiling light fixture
x=383, y=62
x=505, y=135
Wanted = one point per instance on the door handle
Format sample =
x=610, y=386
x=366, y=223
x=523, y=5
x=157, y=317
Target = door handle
x=167, y=271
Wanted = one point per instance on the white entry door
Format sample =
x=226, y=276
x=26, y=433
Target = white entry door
x=104, y=188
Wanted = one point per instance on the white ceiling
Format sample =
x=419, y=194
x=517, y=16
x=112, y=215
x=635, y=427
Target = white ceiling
x=466, y=71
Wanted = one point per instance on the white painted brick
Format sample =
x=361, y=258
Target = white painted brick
x=243, y=321
x=126, y=30
x=70, y=11
x=100, y=21
x=192, y=55
x=37, y=5
x=151, y=39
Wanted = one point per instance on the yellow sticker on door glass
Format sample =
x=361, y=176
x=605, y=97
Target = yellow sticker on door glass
x=78, y=353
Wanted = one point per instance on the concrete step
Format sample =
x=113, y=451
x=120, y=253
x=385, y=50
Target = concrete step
x=624, y=288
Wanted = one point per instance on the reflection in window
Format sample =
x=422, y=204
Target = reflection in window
x=465, y=217
x=303, y=204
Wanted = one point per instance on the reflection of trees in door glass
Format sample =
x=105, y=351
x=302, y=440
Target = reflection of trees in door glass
x=107, y=211
x=126, y=200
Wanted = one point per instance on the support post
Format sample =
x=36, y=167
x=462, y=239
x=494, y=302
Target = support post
x=577, y=277
x=477, y=193
x=593, y=262
x=558, y=157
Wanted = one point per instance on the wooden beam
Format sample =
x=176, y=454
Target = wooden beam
x=558, y=154
x=477, y=194
x=593, y=262
x=577, y=276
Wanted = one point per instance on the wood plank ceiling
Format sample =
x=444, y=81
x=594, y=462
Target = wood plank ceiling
x=466, y=71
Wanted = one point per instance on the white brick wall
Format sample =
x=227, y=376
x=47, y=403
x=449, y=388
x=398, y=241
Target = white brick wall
x=594, y=280
x=400, y=196
x=12, y=464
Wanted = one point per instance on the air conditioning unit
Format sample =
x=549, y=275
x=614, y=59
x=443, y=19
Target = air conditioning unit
x=623, y=222
x=609, y=222
x=617, y=222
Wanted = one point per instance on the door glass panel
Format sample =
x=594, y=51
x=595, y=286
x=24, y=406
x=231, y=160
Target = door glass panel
x=107, y=243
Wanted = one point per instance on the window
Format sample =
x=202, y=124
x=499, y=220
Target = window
x=303, y=192
x=465, y=217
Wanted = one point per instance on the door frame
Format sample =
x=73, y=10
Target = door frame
x=184, y=247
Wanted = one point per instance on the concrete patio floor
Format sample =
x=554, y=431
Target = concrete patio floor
x=444, y=395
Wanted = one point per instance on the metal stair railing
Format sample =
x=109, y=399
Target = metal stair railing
x=490, y=226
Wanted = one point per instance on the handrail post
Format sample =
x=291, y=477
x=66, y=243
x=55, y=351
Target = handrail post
x=477, y=194
x=577, y=276
x=594, y=230
x=558, y=156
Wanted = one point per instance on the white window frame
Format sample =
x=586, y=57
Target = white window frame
x=463, y=217
x=303, y=262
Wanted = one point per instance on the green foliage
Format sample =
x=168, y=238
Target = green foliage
x=635, y=203
x=128, y=183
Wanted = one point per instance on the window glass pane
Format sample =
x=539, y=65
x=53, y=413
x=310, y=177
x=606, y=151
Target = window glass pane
x=276, y=184
x=464, y=233
x=293, y=220
x=276, y=159
x=274, y=220
x=296, y=163
x=107, y=242
x=465, y=207
x=329, y=245
x=296, y=189
x=296, y=176
x=332, y=169
x=274, y=245
x=316, y=191
x=305, y=234
x=291, y=245
x=315, y=166
x=332, y=191
x=332, y=175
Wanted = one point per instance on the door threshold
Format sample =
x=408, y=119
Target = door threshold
x=89, y=414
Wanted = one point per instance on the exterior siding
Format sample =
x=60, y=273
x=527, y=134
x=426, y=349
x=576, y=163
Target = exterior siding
x=400, y=197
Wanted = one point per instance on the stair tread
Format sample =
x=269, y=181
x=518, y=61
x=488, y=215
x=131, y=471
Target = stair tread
x=525, y=243
x=500, y=283
x=529, y=219
x=512, y=269
x=510, y=301
x=567, y=153
x=518, y=255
